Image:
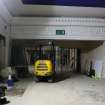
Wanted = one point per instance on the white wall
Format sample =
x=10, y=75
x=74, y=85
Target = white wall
x=75, y=28
x=94, y=55
x=84, y=58
x=45, y=28
x=5, y=20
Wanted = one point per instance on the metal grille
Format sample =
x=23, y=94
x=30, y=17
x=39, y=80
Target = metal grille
x=42, y=67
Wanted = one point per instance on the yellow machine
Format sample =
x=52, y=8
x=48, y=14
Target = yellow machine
x=43, y=68
x=44, y=65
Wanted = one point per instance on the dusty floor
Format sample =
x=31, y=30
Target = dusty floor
x=76, y=90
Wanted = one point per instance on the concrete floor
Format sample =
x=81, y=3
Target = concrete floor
x=76, y=90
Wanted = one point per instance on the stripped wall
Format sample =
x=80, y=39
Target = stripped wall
x=5, y=20
x=94, y=55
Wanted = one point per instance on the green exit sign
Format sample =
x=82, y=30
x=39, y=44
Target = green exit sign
x=60, y=32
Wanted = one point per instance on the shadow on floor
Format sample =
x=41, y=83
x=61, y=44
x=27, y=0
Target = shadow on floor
x=66, y=75
x=62, y=76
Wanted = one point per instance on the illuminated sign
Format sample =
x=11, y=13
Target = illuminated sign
x=60, y=32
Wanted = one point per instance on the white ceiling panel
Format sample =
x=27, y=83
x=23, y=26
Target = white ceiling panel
x=17, y=8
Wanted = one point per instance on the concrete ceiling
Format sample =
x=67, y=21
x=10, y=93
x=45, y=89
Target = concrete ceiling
x=85, y=46
x=17, y=8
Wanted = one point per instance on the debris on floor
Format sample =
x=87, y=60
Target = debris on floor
x=3, y=99
x=76, y=90
x=15, y=91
